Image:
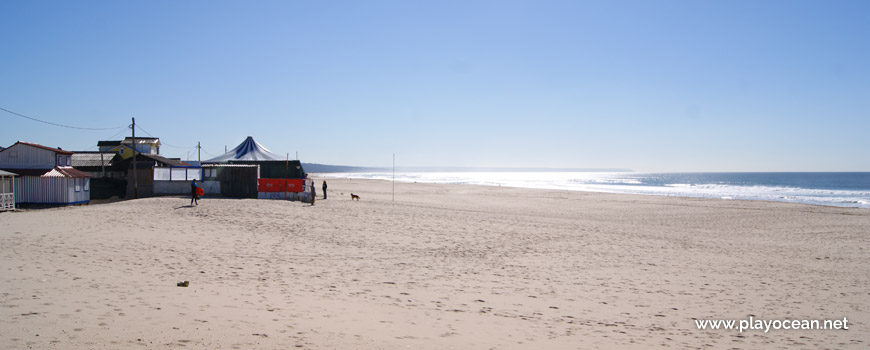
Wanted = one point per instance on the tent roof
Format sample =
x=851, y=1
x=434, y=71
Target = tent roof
x=247, y=150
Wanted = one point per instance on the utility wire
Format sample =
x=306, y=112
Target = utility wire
x=56, y=124
x=161, y=141
x=108, y=138
x=184, y=149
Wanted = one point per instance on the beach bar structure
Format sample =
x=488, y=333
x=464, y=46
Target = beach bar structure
x=7, y=190
x=150, y=180
x=277, y=177
x=45, y=175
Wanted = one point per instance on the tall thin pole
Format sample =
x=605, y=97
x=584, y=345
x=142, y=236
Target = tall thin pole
x=394, y=177
x=102, y=164
x=287, y=171
x=135, y=177
x=198, y=152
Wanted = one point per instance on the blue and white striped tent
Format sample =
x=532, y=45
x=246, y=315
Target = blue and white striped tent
x=248, y=150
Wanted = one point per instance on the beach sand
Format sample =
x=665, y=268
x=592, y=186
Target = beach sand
x=441, y=267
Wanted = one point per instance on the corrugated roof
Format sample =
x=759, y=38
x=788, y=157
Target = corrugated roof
x=56, y=150
x=65, y=172
x=91, y=159
x=164, y=160
x=6, y=173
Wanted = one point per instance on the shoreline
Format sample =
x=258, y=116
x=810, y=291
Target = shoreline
x=327, y=176
x=443, y=266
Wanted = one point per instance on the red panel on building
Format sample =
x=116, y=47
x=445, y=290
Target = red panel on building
x=270, y=185
x=295, y=185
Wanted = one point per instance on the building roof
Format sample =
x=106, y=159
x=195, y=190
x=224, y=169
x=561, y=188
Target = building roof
x=164, y=160
x=108, y=143
x=54, y=172
x=145, y=156
x=55, y=150
x=91, y=159
x=65, y=172
x=6, y=173
x=142, y=139
x=129, y=140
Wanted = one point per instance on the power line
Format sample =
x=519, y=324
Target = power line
x=184, y=150
x=116, y=134
x=108, y=138
x=56, y=124
x=161, y=142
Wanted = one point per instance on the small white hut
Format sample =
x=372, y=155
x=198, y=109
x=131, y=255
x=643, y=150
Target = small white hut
x=7, y=190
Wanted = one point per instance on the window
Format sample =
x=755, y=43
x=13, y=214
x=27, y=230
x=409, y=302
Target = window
x=161, y=174
x=194, y=173
x=179, y=174
x=87, y=185
x=78, y=183
x=63, y=160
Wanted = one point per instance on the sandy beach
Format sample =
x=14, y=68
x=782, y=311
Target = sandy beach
x=441, y=267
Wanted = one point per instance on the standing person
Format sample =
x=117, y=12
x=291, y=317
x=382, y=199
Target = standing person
x=193, y=197
x=313, y=192
x=324, y=189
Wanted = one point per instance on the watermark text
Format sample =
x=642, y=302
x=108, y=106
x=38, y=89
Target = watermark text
x=753, y=324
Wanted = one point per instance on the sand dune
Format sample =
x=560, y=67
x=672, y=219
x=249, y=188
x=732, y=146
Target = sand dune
x=444, y=266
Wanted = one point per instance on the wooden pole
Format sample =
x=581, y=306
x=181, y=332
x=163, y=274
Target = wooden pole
x=102, y=165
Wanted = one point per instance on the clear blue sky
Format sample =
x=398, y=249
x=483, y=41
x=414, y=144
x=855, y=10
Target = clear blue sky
x=647, y=85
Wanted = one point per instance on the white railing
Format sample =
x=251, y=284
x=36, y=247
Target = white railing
x=7, y=201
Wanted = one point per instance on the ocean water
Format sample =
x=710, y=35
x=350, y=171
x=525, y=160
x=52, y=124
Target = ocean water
x=832, y=189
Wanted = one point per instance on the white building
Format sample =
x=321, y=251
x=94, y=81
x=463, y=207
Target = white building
x=45, y=175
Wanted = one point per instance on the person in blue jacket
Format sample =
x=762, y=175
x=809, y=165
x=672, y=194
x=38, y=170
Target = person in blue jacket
x=193, y=197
